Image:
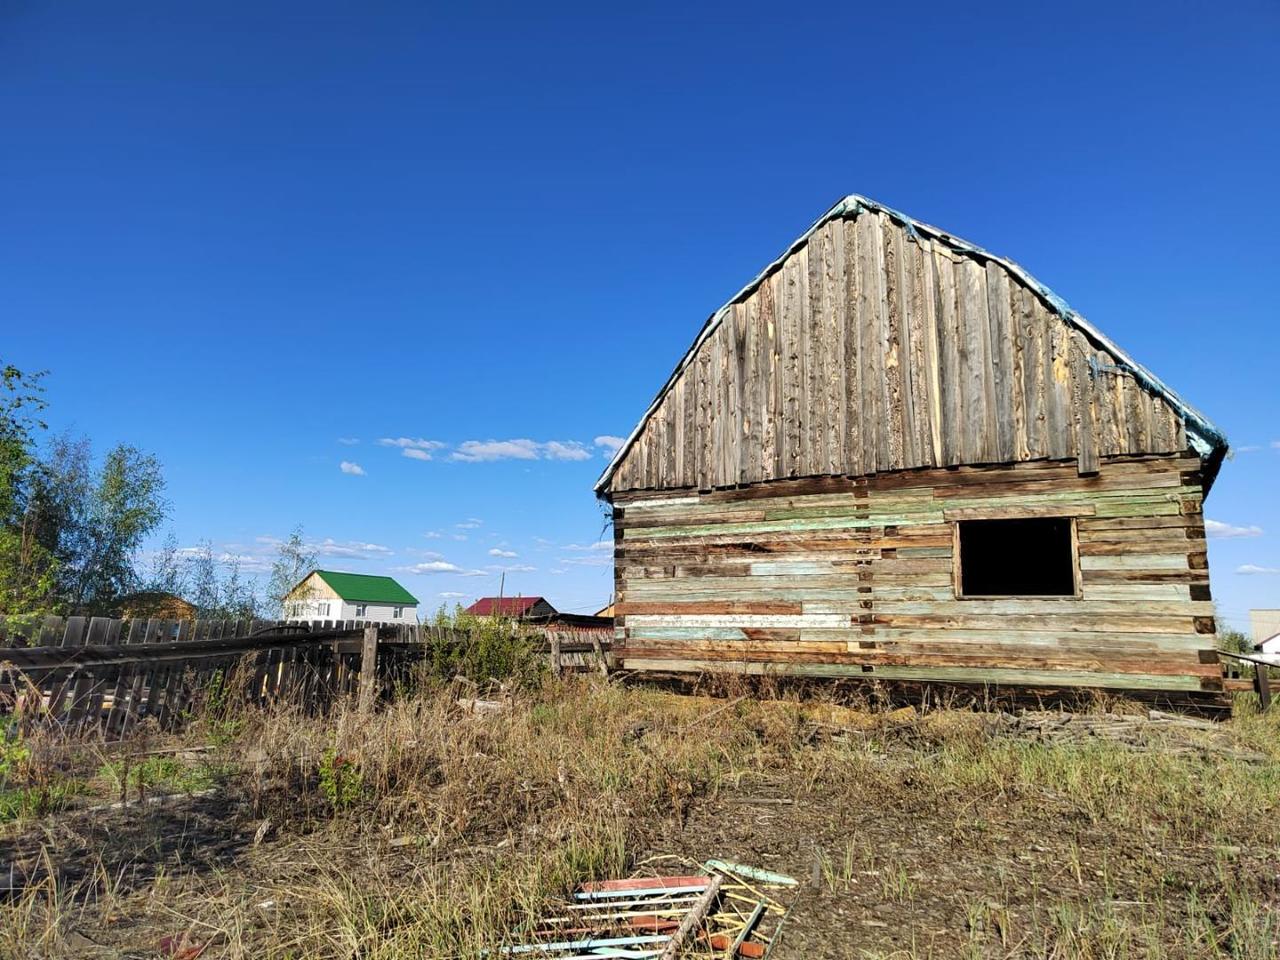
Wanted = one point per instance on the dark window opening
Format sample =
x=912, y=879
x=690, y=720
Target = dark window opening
x=1017, y=558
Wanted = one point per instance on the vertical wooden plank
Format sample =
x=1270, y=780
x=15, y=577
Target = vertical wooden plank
x=815, y=456
x=738, y=368
x=801, y=461
x=870, y=348
x=61, y=692
x=1083, y=413
x=87, y=695
x=835, y=324
x=1056, y=377
x=1001, y=360
x=977, y=438
x=921, y=353
x=706, y=436
x=949, y=341
x=789, y=339
x=369, y=668
x=1030, y=349
x=898, y=450
x=754, y=413
x=854, y=448
x=553, y=637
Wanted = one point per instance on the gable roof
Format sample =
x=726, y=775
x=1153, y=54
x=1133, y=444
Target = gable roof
x=1201, y=435
x=504, y=606
x=367, y=588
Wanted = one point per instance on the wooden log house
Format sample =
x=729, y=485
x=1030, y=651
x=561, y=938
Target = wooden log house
x=894, y=455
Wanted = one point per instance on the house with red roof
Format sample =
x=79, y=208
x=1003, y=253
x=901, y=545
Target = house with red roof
x=518, y=608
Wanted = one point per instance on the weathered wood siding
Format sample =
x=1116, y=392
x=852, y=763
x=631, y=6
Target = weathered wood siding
x=854, y=577
x=872, y=349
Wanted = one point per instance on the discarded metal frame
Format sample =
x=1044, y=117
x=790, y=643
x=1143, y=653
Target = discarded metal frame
x=723, y=910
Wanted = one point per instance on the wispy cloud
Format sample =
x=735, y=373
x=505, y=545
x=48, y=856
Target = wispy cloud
x=1251, y=568
x=354, y=469
x=433, y=534
x=451, y=595
x=228, y=556
x=1227, y=531
x=418, y=443
x=328, y=547
x=509, y=554
x=565, y=450
x=348, y=441
x=479, y=451
x=512, y=568
x=1275, y=444
x=431, y=566
x=596, y=560
x=609, y=443
x=413, y=453
x=471, y=523
x=598, y=545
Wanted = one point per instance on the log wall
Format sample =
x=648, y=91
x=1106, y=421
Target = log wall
x=855, y=577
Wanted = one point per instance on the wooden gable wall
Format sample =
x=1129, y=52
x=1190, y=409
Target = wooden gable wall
x=871, y=350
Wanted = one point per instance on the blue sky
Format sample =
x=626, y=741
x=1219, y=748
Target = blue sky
x=240, y=234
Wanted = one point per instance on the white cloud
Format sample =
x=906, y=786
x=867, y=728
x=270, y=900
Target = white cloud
x=598, y=545
x=425, y=554
x=469, y=524
x=609, y=443
x=513, y=568
x=433, y=534
x=1247, y=448
x=413, y=453
x=348, y=441
x=451, y=595
x=328, y=547
x=1275, y=444
x=432, y=566
x=495, y=552
x=565, y=450
x=354, y=469
x=1218, y=529
x=479, y=451
x=598, y=560
x=352, y=548
x=1250, y=568
x=410, y=443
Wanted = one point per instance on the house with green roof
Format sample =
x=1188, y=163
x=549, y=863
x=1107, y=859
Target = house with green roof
x=332, y=595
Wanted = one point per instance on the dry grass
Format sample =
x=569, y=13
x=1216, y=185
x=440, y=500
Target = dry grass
x=427, y=830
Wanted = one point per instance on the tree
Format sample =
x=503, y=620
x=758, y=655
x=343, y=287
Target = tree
x=216, y=596
x=294, y=560
x=28, y=569
x=169, y=569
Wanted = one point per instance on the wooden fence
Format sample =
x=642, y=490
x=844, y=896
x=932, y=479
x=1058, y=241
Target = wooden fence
x=84, y=673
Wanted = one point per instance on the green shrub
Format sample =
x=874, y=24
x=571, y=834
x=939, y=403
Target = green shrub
x=482, y=649
x=341, y=781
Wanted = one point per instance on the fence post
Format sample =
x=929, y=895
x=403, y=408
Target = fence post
x=369, y=668
x=1262, y=684
x=601, y=662
x=554, y=637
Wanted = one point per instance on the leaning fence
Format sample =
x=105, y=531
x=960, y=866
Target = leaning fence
x=106, y=674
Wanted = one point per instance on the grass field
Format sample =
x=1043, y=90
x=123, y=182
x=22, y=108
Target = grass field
x=431, y=829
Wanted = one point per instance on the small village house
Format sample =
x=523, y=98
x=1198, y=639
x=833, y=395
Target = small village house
x=537, y=611
x=1264, y=629
x=896, y=456
x=330, y=595
x=515, y=608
